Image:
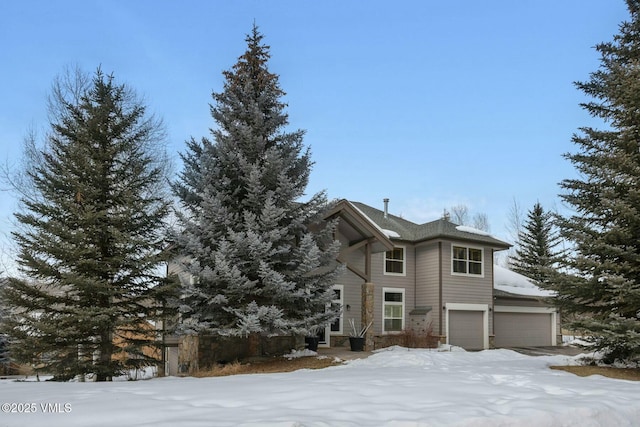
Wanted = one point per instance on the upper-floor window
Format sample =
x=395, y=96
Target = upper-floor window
x=394, y=261
x=466, y=260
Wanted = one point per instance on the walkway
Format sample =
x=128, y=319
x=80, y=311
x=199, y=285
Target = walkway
x=343, y=353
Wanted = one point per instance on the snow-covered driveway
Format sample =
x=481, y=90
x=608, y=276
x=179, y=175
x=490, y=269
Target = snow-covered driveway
x=398, y=387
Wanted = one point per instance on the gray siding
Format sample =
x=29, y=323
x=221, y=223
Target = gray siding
x=428, y=281
x=175, y=267
x=520, y=302
x=425, y=266
x=352, y=287
x=352, y=298
x=406, y=282
x=467, y=289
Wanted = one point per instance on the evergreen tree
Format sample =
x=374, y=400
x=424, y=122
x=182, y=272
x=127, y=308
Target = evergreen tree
x=4, y=339
x=261, y=260
x=4, y=352
x=536, y=256
x=605, y=224
x=91, y=235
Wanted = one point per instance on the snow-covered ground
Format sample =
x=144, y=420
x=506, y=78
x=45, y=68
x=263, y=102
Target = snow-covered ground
x=398, y=387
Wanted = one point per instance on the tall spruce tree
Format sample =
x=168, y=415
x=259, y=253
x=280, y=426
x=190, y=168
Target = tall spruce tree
x=261, y=260
x=90, y=234
x=605, y=224
x=536, y=255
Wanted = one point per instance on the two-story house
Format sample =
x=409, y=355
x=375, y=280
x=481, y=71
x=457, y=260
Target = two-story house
x=401, y=275
x=436, y=278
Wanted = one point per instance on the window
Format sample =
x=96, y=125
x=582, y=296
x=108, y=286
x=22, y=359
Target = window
x=466, y=260
x=393, y=310
x=394, y=261
x=337, y=302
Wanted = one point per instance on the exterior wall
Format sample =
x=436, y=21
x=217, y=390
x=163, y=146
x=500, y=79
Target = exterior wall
x=460, y=289
x=428, y=270
x=352, y=299
x=175, y=267
x=428, y=281
x=518, y=302
x=406, y=282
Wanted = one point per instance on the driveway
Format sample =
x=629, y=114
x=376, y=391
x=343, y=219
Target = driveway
x=567, y=350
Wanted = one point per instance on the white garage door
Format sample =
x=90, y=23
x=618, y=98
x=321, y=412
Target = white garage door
x=466, y=329
x=522, y=329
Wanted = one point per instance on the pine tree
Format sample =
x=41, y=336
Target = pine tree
x=261, y=260
x=605, y=224
x=91, y=235
x=536, y=256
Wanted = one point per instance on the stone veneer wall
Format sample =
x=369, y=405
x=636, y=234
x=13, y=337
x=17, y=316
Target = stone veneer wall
x=368, y=292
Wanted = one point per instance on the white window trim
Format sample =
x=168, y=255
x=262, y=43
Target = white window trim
x=484, y=308
x=404, y=313
x=534, y=310
x=404, y=262
x=467, y=274
x=341, y=303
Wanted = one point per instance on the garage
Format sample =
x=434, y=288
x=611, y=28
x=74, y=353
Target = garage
x=466, y=329
x=524, y=327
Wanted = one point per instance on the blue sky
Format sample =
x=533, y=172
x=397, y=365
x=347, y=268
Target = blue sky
x=431, y=104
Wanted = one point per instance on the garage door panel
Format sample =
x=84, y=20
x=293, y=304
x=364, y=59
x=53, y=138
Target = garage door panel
x=522, y=329
x=466, y=329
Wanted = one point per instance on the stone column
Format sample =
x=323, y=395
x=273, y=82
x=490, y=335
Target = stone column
x=368, y=314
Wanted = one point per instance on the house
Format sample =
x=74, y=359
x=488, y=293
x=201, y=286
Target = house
x=523, y=314
x=437, y=277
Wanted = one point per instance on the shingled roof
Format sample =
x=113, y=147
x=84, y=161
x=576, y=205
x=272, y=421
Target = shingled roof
x=400, y=229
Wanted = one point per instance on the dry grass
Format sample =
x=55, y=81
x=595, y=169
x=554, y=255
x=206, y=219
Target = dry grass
x=617, y=373
x=281, y=364
x=268, y=366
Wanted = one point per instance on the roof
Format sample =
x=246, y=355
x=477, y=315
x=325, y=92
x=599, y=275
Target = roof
x=398, y=228
x=507, y=283
x=359, y=226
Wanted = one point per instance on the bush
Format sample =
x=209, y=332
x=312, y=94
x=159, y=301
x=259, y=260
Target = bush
x=413, y=339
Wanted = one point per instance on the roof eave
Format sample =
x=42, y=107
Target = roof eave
x=346, y=209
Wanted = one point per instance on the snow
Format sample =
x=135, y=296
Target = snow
x=296, y=354
x=390, y=233
x=514, y=283
x=467, y=229
x=398, y=387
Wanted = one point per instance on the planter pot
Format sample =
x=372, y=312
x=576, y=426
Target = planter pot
x=357, y=343
x=311, y=343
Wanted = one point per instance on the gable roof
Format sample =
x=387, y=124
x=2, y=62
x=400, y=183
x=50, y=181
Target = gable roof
x=360, y=225
x=398, y=228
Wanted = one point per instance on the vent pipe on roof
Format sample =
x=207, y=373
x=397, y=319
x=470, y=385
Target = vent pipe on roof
x=386, y=207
